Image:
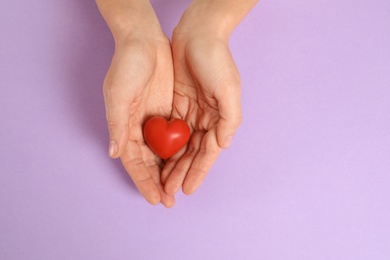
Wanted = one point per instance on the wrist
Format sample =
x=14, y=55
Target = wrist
x=130, y=19
x=214, y=18
x=131, y=32
x=199, y=21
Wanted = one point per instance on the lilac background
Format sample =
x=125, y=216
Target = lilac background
x=307, y=177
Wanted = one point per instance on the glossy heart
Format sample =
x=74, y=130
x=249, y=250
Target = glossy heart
x=166, y=138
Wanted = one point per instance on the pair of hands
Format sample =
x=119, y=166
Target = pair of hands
x=194, y=79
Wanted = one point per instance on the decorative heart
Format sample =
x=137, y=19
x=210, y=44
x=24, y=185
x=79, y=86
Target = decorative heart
x=166, y=138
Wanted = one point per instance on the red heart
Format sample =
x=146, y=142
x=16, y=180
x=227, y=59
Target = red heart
x=166, y=138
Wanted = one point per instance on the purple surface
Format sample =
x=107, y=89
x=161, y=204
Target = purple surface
x=307, y=177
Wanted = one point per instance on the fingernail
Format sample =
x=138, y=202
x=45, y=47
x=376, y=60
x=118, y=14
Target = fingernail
x=113, y=148
x=228, y=141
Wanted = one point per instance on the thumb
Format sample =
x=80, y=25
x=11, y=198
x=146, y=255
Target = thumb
x=117, y=113
x=229, y=105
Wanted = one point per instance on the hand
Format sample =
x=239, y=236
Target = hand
x=206, y=95
x=139, y=84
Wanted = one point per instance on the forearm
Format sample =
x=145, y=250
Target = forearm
x=218, y=17
x=128, y=17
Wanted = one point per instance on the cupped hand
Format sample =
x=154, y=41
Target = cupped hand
x=207, y=95
x=138, y=85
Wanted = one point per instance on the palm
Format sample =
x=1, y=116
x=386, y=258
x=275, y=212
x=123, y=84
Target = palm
x=144, y=72
x=197, y=78
x=153, y=94
x=196, y=107
x=194, y=161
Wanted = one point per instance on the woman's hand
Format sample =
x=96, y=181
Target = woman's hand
x=207, y=94
x=138, y=85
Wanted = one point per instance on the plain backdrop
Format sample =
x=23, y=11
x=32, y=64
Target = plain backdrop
x=307, y=175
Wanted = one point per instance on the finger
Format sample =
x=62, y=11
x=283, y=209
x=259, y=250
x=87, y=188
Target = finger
x=151, y=162
x=178, y=174
x=171, y=164
x=117, y=113
x=229, y=105
x=223, y=79
x=166, y=199
x=172, y=161
x=160, y=162
x=135, y=166
x=205, y=158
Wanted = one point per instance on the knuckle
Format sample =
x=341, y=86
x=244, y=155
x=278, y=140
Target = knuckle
x=133, y=162
x=153, y=201
x=237, y=120
x=142, y=180
x=198, y=171
x=207, y=150
x=179, y=170
x=112, y=125
x=115, y=126
x=192, y=150
x=149, y=162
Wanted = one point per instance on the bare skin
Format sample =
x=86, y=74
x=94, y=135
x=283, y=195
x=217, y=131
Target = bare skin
x=140, y=83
